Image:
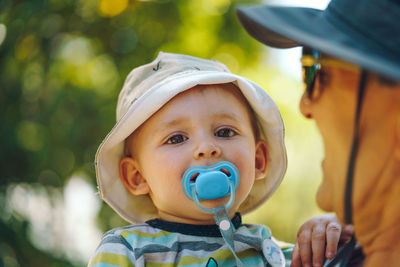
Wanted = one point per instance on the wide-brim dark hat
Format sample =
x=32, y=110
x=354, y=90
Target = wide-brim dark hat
x=365, y=32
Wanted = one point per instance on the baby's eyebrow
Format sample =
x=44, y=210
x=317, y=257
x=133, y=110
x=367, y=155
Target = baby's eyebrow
x=216, y=116
x=227, y=115
x=185, y=120
x=163, y=125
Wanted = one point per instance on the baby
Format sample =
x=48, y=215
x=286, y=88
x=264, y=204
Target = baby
x=194, y=147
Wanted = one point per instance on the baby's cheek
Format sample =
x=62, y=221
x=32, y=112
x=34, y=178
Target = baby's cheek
x=245, y=185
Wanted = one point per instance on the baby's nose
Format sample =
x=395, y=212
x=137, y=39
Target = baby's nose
x=207, y=150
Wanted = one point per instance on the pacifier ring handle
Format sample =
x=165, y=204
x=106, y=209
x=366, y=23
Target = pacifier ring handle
x=213, y=210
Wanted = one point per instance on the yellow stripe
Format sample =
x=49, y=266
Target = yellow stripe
x=248, y=253
x=283, y=245
x=111, y=258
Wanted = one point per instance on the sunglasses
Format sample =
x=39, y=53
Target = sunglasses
x=312, y=61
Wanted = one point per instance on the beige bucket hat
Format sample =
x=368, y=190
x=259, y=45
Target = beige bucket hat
x=149, y=87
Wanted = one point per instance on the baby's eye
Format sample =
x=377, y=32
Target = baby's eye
x=225, y=132
x=176, y=139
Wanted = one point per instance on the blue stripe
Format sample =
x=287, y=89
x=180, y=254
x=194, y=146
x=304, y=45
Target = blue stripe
x=163, y=239
x=252, y=241
x=177, y=247
x=116, y=239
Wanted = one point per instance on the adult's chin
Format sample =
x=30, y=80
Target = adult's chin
x=327, y=202
x=324, y=197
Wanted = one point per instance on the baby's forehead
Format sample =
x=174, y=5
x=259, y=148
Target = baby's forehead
x=228, y=95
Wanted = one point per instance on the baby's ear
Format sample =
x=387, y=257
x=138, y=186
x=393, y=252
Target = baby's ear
x=132, y=178
x=261, y=159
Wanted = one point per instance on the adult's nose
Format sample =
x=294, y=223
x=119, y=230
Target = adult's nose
x=305, y=106
x=206, y=149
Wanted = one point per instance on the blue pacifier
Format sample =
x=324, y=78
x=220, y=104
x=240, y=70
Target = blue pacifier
x=211, y=182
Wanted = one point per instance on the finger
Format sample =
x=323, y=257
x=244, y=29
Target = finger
x=304, y=241
x=296, y=260
x=347, y=233
x=333, y=234
x=318, y=244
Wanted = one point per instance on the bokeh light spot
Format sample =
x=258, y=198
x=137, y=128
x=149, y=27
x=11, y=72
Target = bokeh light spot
x=76, y=50
x=111, y=8
x=3, y=33
x=103, y=75
x=229, y=60
x=216, y=7
x=32, y=81
x=27, y=47
x=31, y=135
x=231, y=55
x=81, y=207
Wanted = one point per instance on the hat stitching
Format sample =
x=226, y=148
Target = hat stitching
x=158, y=66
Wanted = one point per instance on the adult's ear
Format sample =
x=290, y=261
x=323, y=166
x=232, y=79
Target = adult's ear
x=132, y=178
x=261, y=159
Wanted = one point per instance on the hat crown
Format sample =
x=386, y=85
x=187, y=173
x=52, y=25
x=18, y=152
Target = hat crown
x=142, y=79
x=374, y=19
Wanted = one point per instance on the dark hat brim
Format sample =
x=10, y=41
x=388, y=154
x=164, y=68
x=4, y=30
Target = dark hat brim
x=286, y=27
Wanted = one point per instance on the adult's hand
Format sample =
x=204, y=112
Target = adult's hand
x=317, y=239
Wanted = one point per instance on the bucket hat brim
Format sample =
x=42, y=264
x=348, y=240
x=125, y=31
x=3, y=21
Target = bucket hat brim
x=286, y=27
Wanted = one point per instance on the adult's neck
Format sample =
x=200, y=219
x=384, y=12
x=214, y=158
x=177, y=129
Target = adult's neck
x=377, y=215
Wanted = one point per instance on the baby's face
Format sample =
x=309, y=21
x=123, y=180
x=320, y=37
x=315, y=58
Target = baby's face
x=199, y=127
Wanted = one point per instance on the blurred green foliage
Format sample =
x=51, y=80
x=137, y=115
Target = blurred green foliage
x=62, y=64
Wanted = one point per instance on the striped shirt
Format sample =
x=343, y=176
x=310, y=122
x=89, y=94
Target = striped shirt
x=160, y=243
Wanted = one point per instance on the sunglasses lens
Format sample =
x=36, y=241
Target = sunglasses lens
x=309, y=74
x=310, y=70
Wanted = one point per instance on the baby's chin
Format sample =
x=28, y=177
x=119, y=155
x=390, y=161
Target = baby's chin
x=199, y=217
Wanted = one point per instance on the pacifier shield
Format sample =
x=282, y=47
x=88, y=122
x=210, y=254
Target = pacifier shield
x=210, y=182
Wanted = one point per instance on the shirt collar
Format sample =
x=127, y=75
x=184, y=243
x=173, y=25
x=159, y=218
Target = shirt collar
x=193, y=229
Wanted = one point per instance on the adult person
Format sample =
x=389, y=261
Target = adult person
x=351, y=71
